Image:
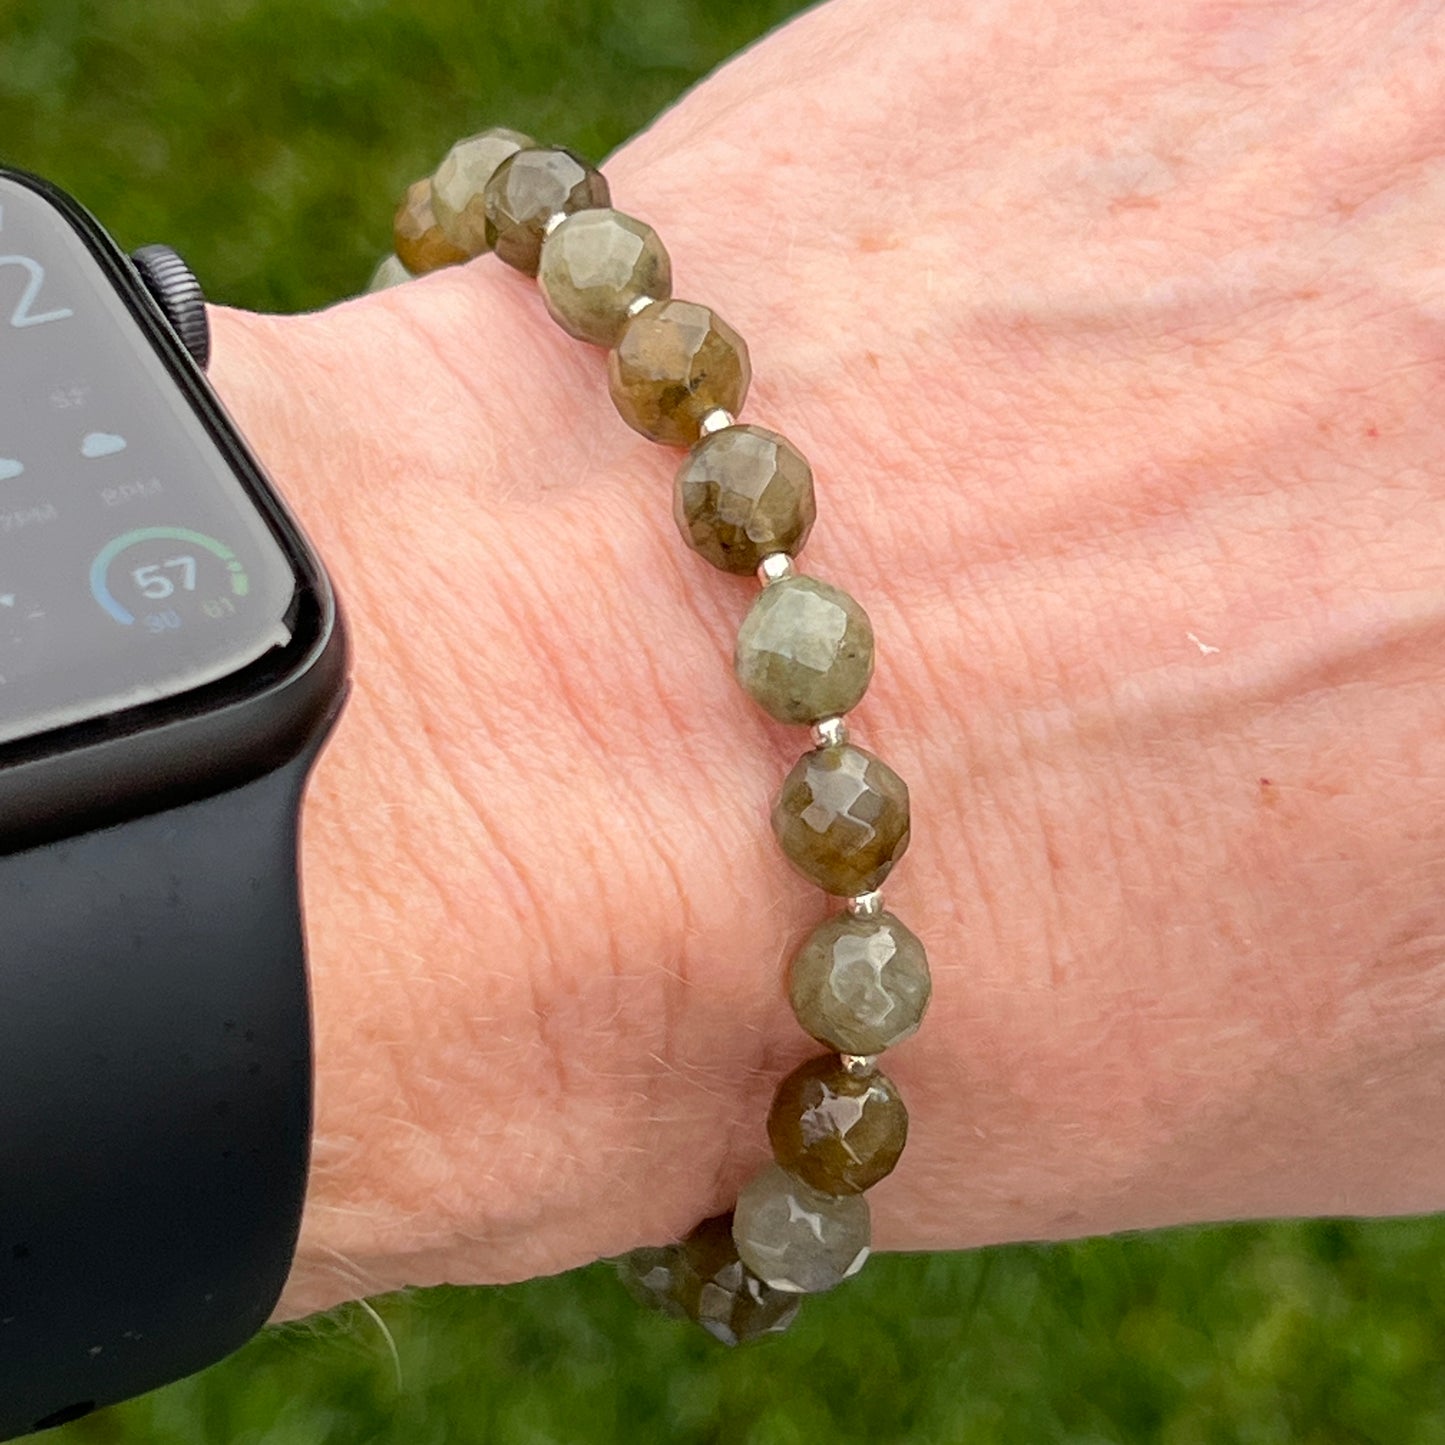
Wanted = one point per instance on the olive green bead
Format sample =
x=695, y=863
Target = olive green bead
x=702, y=1279
x=841, y=818
x=804, y=651
x=676, y=362
x=796, y=1239
x=837, y=1131
x=594, y=266
x=526, y=191
x=389, y=273
x=461, y=180
x=860, y=985
x=742, y=494
x=417, y=239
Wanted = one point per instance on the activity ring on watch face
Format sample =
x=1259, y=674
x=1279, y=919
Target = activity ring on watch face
x=183, y=581
x=134, y=564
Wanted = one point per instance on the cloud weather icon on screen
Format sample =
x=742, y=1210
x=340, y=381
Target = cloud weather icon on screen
x=102, y=444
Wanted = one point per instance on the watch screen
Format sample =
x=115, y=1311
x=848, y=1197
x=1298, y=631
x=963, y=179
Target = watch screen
x=133, y=563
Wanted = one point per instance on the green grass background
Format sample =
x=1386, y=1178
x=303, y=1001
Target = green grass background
x=267, y=140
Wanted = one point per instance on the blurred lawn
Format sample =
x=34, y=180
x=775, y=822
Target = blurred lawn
x=266, y=139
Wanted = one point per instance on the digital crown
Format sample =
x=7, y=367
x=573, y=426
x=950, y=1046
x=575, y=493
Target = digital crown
x=177, y=292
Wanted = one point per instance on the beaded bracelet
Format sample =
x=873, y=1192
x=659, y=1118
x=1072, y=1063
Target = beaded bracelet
x=743, y=500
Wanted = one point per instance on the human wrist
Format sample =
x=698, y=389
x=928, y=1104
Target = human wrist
x=449, y=1143
x=1092, y=748
x=469, y=938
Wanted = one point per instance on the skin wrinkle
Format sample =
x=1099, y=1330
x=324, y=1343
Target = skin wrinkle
x=1116, y=541
x=548, y=382
x=676, y=979
x=379, y=1045
x=1033, y=833
x=538, y=918
x=699, y=637
x=534, y=911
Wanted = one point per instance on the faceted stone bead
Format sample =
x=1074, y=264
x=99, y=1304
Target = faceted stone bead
x=860, y=985
x=526, y=191
x=676, y=362
x=653, y=1277
x=460, y=180
x=416, y=237
x=837, y=1131
x=804, y=651
x=389, y=273
x=594, y=266
x=703, y=1279
x=841, y=817
x=796, y=1239
x=744, y=493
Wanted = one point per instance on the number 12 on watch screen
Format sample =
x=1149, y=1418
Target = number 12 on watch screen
x=186, y=571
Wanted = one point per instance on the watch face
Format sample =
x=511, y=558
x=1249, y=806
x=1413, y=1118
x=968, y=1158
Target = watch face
x=135, y=562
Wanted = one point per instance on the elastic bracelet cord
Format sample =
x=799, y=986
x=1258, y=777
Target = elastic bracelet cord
x=678, y=374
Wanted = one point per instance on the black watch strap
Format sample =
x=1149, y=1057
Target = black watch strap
x=155, y=1097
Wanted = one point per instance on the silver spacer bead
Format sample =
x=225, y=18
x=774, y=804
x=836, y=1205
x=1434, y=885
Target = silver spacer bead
x=639, y=304
x=859, y=1065
x=774, y=567
x=831, y=732
x=718, y=418
x=553, y=221
x=865, y=905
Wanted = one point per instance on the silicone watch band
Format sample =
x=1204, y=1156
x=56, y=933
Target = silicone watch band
x=152, y=1168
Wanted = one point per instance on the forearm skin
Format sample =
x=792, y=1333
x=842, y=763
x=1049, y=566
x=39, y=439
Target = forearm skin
x=1119, y=370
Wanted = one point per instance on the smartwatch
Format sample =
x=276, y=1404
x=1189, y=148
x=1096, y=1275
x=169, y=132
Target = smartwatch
x=171, y=661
